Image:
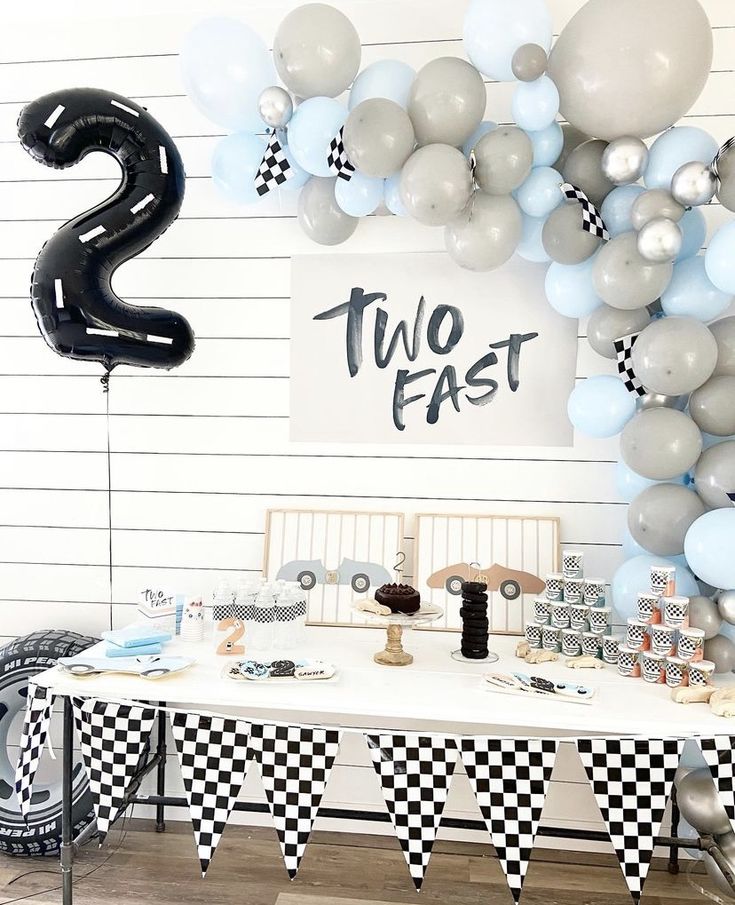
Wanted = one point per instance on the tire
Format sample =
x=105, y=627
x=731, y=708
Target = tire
x=453, y=584
x=307, y=580
x=19, y=660
x=360, y=583
x=510, y=589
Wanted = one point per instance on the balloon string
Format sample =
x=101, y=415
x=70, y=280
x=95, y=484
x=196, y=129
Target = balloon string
x=106, y=389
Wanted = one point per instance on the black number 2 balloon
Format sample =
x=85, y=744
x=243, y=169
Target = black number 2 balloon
x=78, y=313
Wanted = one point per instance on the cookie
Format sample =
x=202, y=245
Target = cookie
x=475, y=598
x=251, y=669
x=282, y=669
x=473, y=587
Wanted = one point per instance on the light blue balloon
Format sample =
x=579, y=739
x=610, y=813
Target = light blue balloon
x=673, y=149
x=631, y=547
x=694, y=233
x=629, y=484
x=728, y=630
x=708, y=440
x=600, y=406
x=710, y=548
x=235, y=162
x=540, y=193
x=359, y=196
x=299, y=176
x=570, y=288
x=225, y=66
x=485, y=126
x=617, y=208
x=531, y=247
x=495, y=29
x=634, y=576
x=314, y=124
x=535, y=104
x=392, y=195
x=547, y=144
x=691, y=294
x=391, y=79
x=719, y=259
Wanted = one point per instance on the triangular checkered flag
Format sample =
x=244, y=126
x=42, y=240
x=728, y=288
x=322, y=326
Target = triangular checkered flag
x=728, y=146
x=274, y=168
x=415, y=773
x=624, y=356
x=337, y=160
x=39, y=704
x=592, y=221
x=510, y=779
x=295, y=763
x=719, y=752
x=731, y=497
x=631, y=780
x=213, y=755
x=112, y=738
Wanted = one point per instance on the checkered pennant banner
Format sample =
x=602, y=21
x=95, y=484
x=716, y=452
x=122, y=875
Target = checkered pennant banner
x=624, y=356
x=337, y=160
x=39, y=704
x=725, y=149
x=295, y=763
x=112, y=738
x=631, y=780
x=213, y=755
x=592, y=221
x=719, y=752
x=415, y=773
x=274, y=168
x=510, y=779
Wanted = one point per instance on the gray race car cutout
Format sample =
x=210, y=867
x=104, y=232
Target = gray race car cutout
x=361, y=576
x=151, y=667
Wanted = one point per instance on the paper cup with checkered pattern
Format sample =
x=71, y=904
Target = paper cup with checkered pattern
x=533, y=635
x=649, y=608
x=571, y=642
x=663, y=580
x=676, y=612
x=653, y=668
x=551, y=638
x=572, y=563
x=610, y=649
x=542, y=611
x=573, y=590
x=591, y=643
x=578, y=614
x=629, y=662
x=594, y=591
x=560, y=615
x=691, y=644
x=676, y=673
x=663, y=640
x=636, y=636
x=555, y=587
x=599, y=619
x=700, y=673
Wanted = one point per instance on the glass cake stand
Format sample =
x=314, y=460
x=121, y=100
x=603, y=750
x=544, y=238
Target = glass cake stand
x=393, y=653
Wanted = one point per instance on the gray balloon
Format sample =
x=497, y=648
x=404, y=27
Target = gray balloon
x=724, y=334
x=487, y=233
x=275, y=106
x=712, y=407
x=660, y=516
x=700, y=804
x=583, y=168
x=320, y=217
x=564, y=239
x=693, y=184
x=726, y=606
x=654, y=205
x=503, y=160
x=624, y=279
x=625, y=160
x=721, y=651
x=573, y=138
x=607, y=324
x=714, y=476
x=447, y=101
x=659, y=400
x=660, y=444
x=436, y=184
x=316, y=51
x=703, y=614
x=660, y=241
x=631, y=68
x=529, y=62
x=674, y=355
x=726, y=193
x=378, y=137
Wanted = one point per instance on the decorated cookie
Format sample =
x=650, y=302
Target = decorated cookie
x=282, y=669
x=251, y=669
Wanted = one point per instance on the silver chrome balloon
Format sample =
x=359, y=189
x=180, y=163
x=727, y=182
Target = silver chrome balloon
x=660, y=241
x=726, y=606
x=658, y=400
x=625, y=160
x=694, y=184
x=700, y=804
x=275, y=107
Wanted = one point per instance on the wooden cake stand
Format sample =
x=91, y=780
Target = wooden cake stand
x=393, y=653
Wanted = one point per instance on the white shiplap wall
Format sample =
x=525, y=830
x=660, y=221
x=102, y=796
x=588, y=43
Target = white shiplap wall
x=197, y=455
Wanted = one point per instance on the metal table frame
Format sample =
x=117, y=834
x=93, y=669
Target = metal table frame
x=157, y=761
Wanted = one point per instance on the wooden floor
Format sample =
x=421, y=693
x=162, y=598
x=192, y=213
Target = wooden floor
x=144, y=868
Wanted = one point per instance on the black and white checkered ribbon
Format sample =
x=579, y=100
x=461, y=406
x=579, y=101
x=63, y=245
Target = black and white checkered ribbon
x=337, y=160
x=727, y=147
x=39, y=704
x=274, y=168
x=592, y=221
x=624, y=356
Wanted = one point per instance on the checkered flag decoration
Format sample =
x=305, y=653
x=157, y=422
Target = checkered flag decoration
x=631, y=780
x=295, y=763
x=213, y=755
x=415, y=773
x=624, y=356
x=337, y=160
x=592, y=221
x=274, y=168
x=725, y=149
x=719, y=752
x=112, y=738
x=39, y=704
x=510, y=779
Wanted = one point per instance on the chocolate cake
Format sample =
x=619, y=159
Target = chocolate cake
x=401, y=598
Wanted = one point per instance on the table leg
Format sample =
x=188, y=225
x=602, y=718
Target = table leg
x=67, y=829
x=161, y=772
x=673, y=865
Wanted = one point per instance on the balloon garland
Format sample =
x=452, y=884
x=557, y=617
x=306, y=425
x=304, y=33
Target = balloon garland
x=615, y=216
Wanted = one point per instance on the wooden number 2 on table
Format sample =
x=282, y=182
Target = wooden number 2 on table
x=229, y=646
